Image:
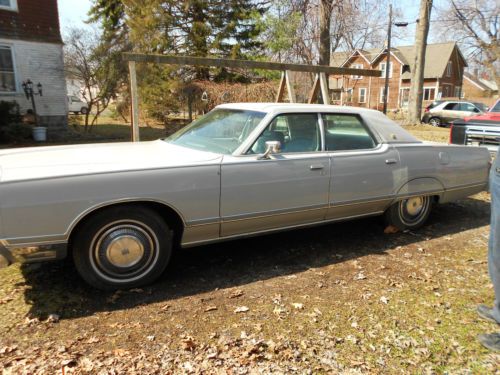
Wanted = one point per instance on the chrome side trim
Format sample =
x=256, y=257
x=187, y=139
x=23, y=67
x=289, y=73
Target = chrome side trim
x=466, y=186
x=275, y=230
x=257, y=215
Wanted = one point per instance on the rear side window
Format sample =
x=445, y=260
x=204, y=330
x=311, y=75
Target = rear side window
x=452, y=107
x=345, y=132
x=496, y=107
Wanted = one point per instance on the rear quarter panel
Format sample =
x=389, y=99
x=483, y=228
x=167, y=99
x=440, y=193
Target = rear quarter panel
x=460, y=170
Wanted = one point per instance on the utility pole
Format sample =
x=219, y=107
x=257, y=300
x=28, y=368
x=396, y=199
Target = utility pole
x=417, y=75
x=388, y=61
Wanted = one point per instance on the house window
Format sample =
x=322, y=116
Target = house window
x=8, y=4
x=448, y=69
x=7, y=74
x=458, y=91
x=357, y=66
x=336, y=95
x=446, y=91
x=429, y=93
x=362, y=95
x=382, y=92
x=382, y=69
x=349, y=95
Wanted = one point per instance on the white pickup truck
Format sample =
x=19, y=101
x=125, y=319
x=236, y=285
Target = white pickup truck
x=76, y=105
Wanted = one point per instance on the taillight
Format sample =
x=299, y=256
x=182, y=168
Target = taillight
x=451, y=131
x=426, y=109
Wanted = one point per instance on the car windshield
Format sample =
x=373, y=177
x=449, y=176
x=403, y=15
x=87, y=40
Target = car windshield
x=220, y=131
x=481, y=106
x=496, y=107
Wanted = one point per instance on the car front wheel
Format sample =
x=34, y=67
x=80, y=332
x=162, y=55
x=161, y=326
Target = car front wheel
x=409, y=213
x=435, y=121
x=122, y=247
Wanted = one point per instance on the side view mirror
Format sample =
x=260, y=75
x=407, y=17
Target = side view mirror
x=272, y=147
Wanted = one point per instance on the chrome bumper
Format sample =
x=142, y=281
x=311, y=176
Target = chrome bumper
x=32, y=254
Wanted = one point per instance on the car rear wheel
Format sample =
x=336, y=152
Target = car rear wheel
x=83, y=110
x=409, y=213
x=122, y=247
x=435, y=121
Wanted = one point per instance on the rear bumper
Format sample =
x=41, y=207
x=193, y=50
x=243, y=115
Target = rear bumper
x=31, y=254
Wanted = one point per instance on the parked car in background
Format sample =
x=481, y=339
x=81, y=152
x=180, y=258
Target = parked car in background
x=480, y=130
x=240, y=170
x=442, y=113
x=76, y=105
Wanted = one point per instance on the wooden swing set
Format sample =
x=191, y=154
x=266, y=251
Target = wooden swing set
x=320, y=84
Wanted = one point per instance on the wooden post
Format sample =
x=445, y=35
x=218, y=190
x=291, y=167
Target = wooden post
x=314, y=90
x=281, y=88
x=291, y=92
x=324, y=88
x=135, y=104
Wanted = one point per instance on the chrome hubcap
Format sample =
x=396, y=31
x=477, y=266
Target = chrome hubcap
x=414, y=206
x=124, y=251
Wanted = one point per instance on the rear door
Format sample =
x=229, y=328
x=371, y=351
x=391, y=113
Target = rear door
x=364, y=172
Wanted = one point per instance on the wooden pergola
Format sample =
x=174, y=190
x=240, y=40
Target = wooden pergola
x=320, y=81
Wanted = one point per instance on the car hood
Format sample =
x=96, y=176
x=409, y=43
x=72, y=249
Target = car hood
x=58, y=161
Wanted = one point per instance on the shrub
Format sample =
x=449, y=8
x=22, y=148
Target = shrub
x=9, y=113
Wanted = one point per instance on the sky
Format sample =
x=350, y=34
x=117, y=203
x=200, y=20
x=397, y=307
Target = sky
x=74, y=13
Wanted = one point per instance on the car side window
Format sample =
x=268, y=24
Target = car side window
x=296, y=132
x=452, y=107
x=345, y=132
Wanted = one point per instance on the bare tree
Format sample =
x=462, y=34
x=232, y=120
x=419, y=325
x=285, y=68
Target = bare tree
x=476, y=26
x=96, y=67
x=417, y=76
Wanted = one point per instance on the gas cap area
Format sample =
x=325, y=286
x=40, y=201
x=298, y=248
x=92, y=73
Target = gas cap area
x=444, y=157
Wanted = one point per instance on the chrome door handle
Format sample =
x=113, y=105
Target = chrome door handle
x=316, y=167
x=390, y=161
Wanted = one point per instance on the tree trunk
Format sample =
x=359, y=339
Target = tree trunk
x=325, y=14
x=417, y=74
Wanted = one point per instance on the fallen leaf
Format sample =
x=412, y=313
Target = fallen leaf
x=210, y=308
x=188, y=344
x=92, y=340
x=151, y=338
x=241, y=309
x=298, y=306
x=391, y=229
x=237, y=293
x=384, y=299
x=53, y=318
x=165, y=307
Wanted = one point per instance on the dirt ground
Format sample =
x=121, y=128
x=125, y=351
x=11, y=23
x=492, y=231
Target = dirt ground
x=341, y=298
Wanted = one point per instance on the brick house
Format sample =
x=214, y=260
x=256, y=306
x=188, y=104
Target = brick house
x=443, y=75
x=31, y=48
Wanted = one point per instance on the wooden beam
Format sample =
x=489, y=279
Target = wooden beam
x=135, y=101
x=313, y=94
x=324, y=88
x=246, y=64
x=289, y=85
x=281, y=88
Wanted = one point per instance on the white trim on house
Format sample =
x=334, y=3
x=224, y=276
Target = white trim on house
x=381, y=94
x=16, y=75
x=391, y=68
x=12, y=7
x=383, y=53
x=364, y=95
x=352, y=54
x=451, y=90
x=428, y=88
x=356, y=66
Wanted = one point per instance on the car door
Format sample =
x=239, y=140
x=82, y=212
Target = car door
x=468, y=109
x=289, y=188
x=364, y=172
x=451, y=112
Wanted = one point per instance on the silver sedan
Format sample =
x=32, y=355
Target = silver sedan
x=241, y=170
